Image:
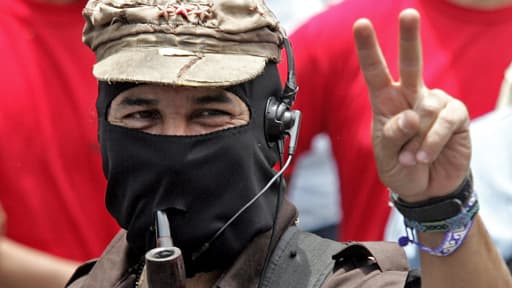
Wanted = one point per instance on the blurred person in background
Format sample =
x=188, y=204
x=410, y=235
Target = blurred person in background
x=49, y=161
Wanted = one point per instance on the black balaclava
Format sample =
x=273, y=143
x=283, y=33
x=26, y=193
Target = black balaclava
x=200, y=181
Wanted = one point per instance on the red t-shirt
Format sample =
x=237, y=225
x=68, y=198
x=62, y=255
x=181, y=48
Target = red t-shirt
x=465, y=53
x=51, y=182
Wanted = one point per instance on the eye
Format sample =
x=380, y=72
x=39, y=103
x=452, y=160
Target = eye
x=212, y=117
x=212, y=113
x=146, y=114
x=142, y=120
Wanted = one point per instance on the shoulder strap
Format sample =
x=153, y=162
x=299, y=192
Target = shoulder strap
x=301, y=260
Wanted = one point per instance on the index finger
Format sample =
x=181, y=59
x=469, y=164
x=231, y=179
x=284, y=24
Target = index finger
x=372, y=62
x=411, y=62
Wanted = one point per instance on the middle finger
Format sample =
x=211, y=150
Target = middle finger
x=411, y=63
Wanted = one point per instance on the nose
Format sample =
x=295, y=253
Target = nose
x=175, y=126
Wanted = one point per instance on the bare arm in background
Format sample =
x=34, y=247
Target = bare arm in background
x=24, y=267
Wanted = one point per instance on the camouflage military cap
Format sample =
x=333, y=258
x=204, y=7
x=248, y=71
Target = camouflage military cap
x=186, y=43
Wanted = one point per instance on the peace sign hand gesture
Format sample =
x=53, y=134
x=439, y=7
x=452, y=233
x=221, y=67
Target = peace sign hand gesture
x=420, y=135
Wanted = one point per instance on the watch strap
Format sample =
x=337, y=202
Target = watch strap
x=438, y=208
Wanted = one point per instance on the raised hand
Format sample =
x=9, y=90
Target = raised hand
x=420, y=135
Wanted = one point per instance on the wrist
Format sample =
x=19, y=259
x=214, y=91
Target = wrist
x=455, y=228
x=436, y=208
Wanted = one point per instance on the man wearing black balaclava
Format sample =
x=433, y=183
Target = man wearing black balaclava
x=192, y=117
x=202, y=158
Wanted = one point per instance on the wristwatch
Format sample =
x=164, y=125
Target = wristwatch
x=437, y=208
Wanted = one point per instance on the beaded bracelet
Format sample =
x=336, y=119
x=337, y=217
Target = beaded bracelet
x=456, y=230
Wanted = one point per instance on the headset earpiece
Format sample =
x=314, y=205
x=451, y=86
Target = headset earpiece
x=280, y=120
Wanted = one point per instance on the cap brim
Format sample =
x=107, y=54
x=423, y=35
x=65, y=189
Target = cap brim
x=156, y=65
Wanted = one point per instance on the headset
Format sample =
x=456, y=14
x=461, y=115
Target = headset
x=280, y=120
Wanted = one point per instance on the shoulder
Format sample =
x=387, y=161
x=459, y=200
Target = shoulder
x=493, y=122
x=317, y=262
x=370, y=264
x=489, y=137
x=116, y=265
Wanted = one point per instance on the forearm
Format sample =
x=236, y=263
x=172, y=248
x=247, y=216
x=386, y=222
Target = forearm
x=22, y=266
x=476, y=263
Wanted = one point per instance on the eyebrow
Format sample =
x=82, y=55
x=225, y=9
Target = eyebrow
x=138, y=101
x=201, y=100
